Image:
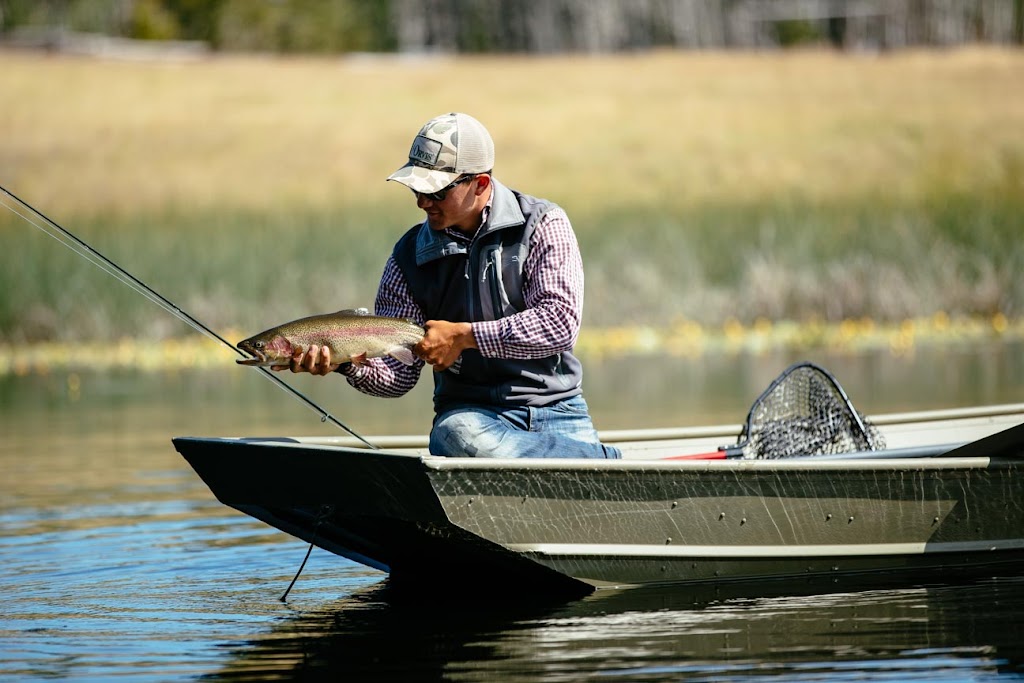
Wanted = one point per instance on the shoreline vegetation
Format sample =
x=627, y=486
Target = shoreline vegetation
x=686, y=339
x=793, y=197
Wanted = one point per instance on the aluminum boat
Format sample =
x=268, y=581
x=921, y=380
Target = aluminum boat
x=945, y=498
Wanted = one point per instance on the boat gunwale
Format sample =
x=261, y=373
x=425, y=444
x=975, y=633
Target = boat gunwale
x=809, y=463
x=655, y=435
x=444, y=463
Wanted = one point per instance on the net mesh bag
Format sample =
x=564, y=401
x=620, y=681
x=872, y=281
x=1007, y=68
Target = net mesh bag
x=804, y=412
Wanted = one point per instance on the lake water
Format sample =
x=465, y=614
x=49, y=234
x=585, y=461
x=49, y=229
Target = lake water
x=117, y=563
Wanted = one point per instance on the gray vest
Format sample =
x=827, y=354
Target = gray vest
x=483, y=280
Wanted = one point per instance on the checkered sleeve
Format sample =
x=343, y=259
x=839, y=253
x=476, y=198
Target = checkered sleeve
x=553, y=293
x=388, y=377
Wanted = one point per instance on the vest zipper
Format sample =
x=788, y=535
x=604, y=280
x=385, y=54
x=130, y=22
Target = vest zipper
x=470, y=298
x=497, y=310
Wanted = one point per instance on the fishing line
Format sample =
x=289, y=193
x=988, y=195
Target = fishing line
x=309, y=551
x=324, y=512
x=80, y=247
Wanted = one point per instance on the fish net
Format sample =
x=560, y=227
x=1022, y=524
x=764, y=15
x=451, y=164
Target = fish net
x=804, y=412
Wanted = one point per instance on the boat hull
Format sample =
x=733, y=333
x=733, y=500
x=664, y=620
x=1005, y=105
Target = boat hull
x=747, y=520
x=565, y=526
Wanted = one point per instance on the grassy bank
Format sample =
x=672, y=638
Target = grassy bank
x=686, y=339
x=712, y=265
x=706, y=188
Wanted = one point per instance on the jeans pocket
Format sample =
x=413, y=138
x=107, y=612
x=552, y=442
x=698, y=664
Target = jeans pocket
x=572, y=406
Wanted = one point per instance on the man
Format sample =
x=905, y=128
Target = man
x=496, y=279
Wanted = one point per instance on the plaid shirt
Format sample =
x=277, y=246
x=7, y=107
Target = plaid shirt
x=550, y=323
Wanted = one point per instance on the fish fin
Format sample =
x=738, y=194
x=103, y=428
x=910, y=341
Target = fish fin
x=403, y=355
x=354, y=311
x=359, y=359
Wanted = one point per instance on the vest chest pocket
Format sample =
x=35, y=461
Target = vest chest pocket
x=500, y=286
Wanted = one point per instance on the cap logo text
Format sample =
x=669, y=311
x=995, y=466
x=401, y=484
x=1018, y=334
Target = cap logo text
x=425, y=151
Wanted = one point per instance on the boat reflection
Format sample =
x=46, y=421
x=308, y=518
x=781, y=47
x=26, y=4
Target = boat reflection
x=952, y=632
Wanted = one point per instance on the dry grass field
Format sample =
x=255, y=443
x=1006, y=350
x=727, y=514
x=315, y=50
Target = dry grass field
x=709, y=187
x=89, y=136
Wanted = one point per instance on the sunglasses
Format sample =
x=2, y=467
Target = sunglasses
x=443, y=192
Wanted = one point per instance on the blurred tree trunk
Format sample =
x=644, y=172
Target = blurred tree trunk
x=529, y=26
x=1018, y=21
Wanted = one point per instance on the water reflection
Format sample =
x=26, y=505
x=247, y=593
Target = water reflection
x=623, y=393
x=926, y=633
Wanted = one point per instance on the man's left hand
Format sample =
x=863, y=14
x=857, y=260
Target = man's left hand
x=443, y=342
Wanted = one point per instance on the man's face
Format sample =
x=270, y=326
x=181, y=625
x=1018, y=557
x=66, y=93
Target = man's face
x=461, y=207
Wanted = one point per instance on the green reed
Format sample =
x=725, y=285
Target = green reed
x=957, y=254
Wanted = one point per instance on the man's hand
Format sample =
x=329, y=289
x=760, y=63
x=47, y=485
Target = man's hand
x=443, y=342
x=316, y=361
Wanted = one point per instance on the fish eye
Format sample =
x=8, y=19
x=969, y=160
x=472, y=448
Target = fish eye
x=260, y=344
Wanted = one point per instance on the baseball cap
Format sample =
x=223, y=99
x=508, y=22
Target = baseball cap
x=447, y=146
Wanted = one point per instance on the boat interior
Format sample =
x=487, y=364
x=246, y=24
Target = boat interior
x=910, y=434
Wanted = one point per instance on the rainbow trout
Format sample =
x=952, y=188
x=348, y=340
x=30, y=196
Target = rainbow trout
x=352, y=335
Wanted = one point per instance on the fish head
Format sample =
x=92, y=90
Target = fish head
x=266, y=349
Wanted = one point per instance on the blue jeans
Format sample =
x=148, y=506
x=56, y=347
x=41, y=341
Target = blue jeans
x=561, y=430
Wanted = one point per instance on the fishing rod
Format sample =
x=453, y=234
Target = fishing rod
x=90, y=254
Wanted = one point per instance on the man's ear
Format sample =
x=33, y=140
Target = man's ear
x=483, y=181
